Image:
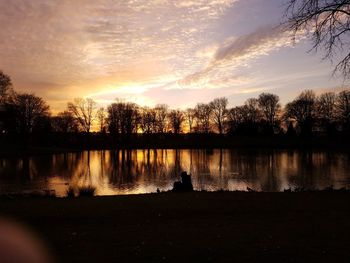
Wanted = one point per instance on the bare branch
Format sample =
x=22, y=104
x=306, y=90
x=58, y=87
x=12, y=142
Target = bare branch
x=327, y=23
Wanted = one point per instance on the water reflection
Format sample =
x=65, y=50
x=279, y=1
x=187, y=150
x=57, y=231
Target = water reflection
x=142, y=171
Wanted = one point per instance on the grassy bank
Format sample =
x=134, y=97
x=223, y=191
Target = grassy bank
x=192, y=227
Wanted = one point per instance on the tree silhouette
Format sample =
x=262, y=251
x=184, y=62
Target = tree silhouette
x=131, y=117
x=114, y=117
x=252, y=115
x=83, y=110
x=101, y=118
x=123, y=117
x=64, y=122
x=190, y=116
x=176, y=118
x=219, y=111
x=253, y=111
x=27, y=113
x=147, y=120
x=244, y=119
x=325, y=109
x=240, y=122
x=6, y=121
x=29, y=110
x=161, y=111
x=327, y=23
x=343, y=109
x=269, y=107
x=302, y=110
x=5, y=87
x=234, y=119
x=203, y=112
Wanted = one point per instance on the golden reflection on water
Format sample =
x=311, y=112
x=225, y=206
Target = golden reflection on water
x=143, y=171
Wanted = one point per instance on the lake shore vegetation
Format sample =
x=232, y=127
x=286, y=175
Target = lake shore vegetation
x=310, y=120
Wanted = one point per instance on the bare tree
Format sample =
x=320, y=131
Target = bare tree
x=302, y=110
x=343, y=109
x=325, y=109
x=131, y=117
x=234, y=119
x=327, y=23
x=251, y=110
x=219, y=111
x=101, y=117
x=123, y=117
x=176, y=118
x=161, y=117
x=83, y=110
x=147, y=120
x=269, y=106
x=29, y=110
x=5, y=87
x=114, y=117
x=244, y=119
x=64, y=122
x=203, y=112
x=190, y=116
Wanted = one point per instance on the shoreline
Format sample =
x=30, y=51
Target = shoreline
x=56, y=143
x=50, y=194
x=37, y=151
x=197, y=226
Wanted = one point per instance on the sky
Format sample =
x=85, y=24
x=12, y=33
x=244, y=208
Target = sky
x=178, y=52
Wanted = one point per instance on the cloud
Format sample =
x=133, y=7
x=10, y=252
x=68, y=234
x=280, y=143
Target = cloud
x=238, y=52
x=260, y=42
x=79, y=42
x=83, y=46
x=144, y=50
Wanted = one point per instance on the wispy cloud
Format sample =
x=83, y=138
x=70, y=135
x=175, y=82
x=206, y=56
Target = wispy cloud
x=260, y=42
x=238, y=52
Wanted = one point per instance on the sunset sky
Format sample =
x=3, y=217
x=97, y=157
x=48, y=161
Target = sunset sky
x=156, y=51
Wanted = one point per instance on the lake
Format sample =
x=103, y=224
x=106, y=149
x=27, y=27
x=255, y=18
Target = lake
x=143, y=171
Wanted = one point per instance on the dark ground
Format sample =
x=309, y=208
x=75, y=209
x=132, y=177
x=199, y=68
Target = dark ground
x=192, y=227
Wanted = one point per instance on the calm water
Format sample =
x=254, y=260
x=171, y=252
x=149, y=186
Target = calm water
x=143, y=171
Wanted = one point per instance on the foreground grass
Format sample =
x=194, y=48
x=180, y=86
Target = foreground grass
x=192, y=227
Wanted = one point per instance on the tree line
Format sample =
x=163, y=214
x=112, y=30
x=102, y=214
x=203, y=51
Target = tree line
x=306, y=115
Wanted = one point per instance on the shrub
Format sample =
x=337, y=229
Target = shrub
x=70, y=192
x=87, y=190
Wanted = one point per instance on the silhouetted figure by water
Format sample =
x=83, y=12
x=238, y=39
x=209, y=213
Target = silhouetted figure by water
x=185, y=185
